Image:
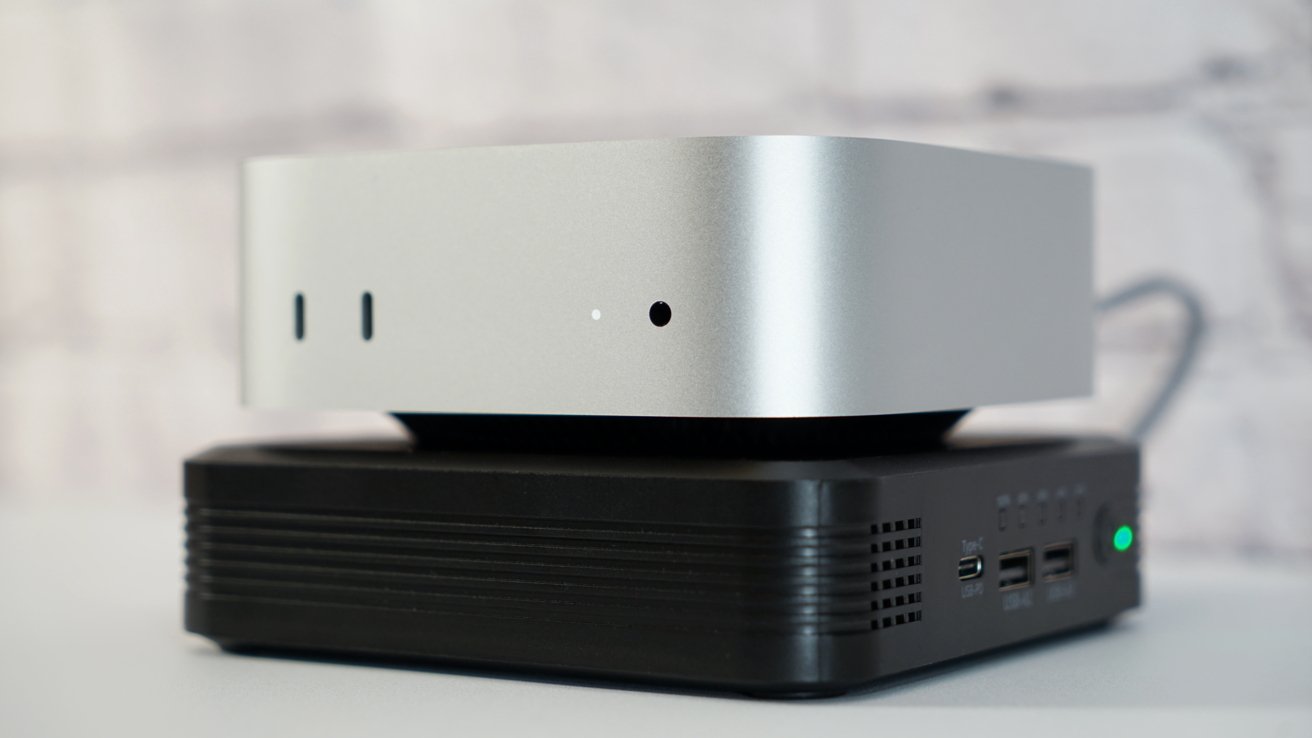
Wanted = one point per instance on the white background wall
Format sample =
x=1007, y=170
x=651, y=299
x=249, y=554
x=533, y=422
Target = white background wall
x=121, y=124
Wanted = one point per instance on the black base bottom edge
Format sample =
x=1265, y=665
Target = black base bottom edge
x=605, y=681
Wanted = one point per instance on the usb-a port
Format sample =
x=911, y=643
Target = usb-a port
x=1016, y=569
x=1058, y=561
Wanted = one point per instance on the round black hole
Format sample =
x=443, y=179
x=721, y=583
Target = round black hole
x=659, y=314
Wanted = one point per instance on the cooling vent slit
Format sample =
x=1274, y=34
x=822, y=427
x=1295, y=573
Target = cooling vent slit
x=895, y=576
x=709, y=578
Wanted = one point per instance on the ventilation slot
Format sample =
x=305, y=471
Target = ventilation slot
x=896, y=573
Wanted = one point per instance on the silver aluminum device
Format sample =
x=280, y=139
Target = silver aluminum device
x=800, y=276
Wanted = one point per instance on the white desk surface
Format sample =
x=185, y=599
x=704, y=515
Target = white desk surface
x=91, y=643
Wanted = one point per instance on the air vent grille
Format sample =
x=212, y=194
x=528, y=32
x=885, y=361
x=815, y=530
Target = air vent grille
x=896, y=573
x=671, y=576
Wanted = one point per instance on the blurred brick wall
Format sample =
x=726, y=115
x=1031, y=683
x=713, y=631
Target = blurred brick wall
x=121, y=124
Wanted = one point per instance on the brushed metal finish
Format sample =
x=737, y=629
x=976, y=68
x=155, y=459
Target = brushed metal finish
x=807, y=276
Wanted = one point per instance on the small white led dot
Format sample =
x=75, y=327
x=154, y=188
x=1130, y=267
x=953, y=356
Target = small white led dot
x=596, y=314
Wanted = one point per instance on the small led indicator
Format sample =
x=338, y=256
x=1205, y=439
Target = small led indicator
x=1123, y=538
x=596, y=314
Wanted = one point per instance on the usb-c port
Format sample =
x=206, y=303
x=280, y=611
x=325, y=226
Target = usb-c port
x=970, y=567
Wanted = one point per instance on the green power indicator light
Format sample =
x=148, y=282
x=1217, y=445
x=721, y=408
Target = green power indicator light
x=1123, y=538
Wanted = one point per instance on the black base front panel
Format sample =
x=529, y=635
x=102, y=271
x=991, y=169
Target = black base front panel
x=767, y=577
